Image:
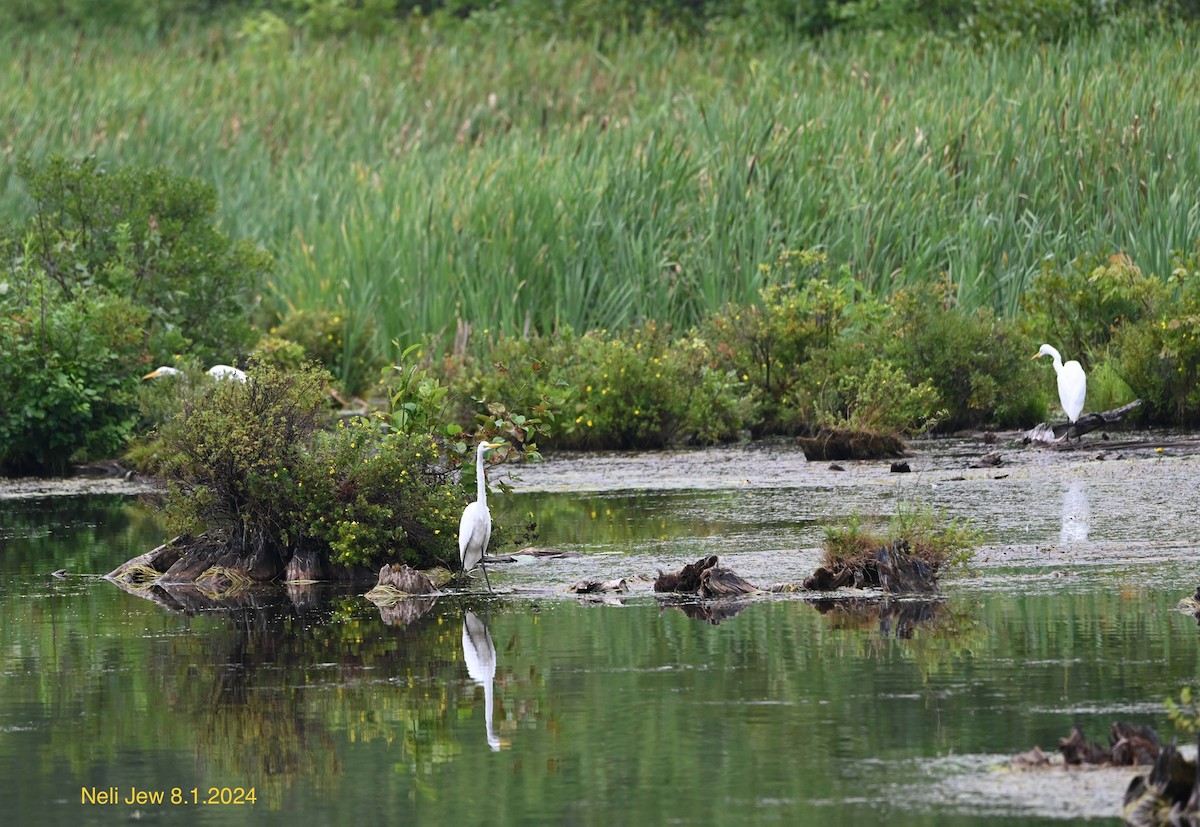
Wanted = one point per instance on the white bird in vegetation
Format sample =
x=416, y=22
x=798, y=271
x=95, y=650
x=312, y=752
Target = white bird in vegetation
x=216, y=372
x=220, y=372
x=475, y=528
x=1072, y=383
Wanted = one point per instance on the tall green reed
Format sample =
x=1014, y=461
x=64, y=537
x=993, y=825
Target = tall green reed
x=436, y=177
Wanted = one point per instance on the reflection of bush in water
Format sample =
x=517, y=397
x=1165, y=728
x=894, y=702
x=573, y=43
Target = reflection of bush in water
x=934, y=632
x=265, y=714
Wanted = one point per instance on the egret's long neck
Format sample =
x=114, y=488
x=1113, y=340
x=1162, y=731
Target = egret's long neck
x=1056, y=357
x=480, y=481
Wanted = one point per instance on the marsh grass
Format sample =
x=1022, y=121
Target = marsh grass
x=932, y=537
x=411, y=182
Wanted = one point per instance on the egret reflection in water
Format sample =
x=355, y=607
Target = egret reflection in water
x=1076, y=514
x=479, y=653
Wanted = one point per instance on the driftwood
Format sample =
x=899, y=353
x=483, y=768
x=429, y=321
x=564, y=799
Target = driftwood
x=532, y=551
x=892, y=568
x=832, y=445
x=1053, y=434
x=706, y=578
x=158, y=560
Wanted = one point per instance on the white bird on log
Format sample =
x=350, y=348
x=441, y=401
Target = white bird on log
x=1072, y=383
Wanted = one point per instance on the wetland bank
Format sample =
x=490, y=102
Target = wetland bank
x=608, y=708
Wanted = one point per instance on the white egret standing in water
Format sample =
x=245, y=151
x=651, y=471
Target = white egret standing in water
x=475, y=528
x=1072, y=384
x=480, y=655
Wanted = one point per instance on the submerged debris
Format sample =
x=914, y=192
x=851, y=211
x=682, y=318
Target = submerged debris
x=1191, y=604
x=992, y=459
x=714, y=612
x=897, y=619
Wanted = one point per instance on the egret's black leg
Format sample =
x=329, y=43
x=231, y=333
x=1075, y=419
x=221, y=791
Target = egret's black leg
x=485, y=577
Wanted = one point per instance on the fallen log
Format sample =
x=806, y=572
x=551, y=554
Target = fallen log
x=1054, y=434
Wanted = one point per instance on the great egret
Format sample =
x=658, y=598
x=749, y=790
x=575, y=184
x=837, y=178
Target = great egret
x=475, y=528
x=1072, y=384
x=479, y=653
x=216, y=372
x=219, y=372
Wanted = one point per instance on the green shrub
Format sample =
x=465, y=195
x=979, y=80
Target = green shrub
x=112, y=272
x=237, y=451
x=372, y=495
x=805, y=309
x=346, y=350
x=1160, y=361
x=640, y=389
x=977, y=362
x=146, y=235
x=68, y=375
x=1080, y=308
x=874, y=396
x=254, y=463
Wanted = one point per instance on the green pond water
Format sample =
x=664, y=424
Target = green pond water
x=536, y=707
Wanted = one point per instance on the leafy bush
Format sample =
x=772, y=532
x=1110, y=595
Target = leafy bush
x=147, y=235
x=1080, y=308
x=253, y=462
x=875, y=397
x=977, y=362
x=113, y=271
x=640, y=389
x=348, y=352
x=805, y=309
x=1160, y=360
x=371, y=495
x=237, y=451
x=67, y=391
